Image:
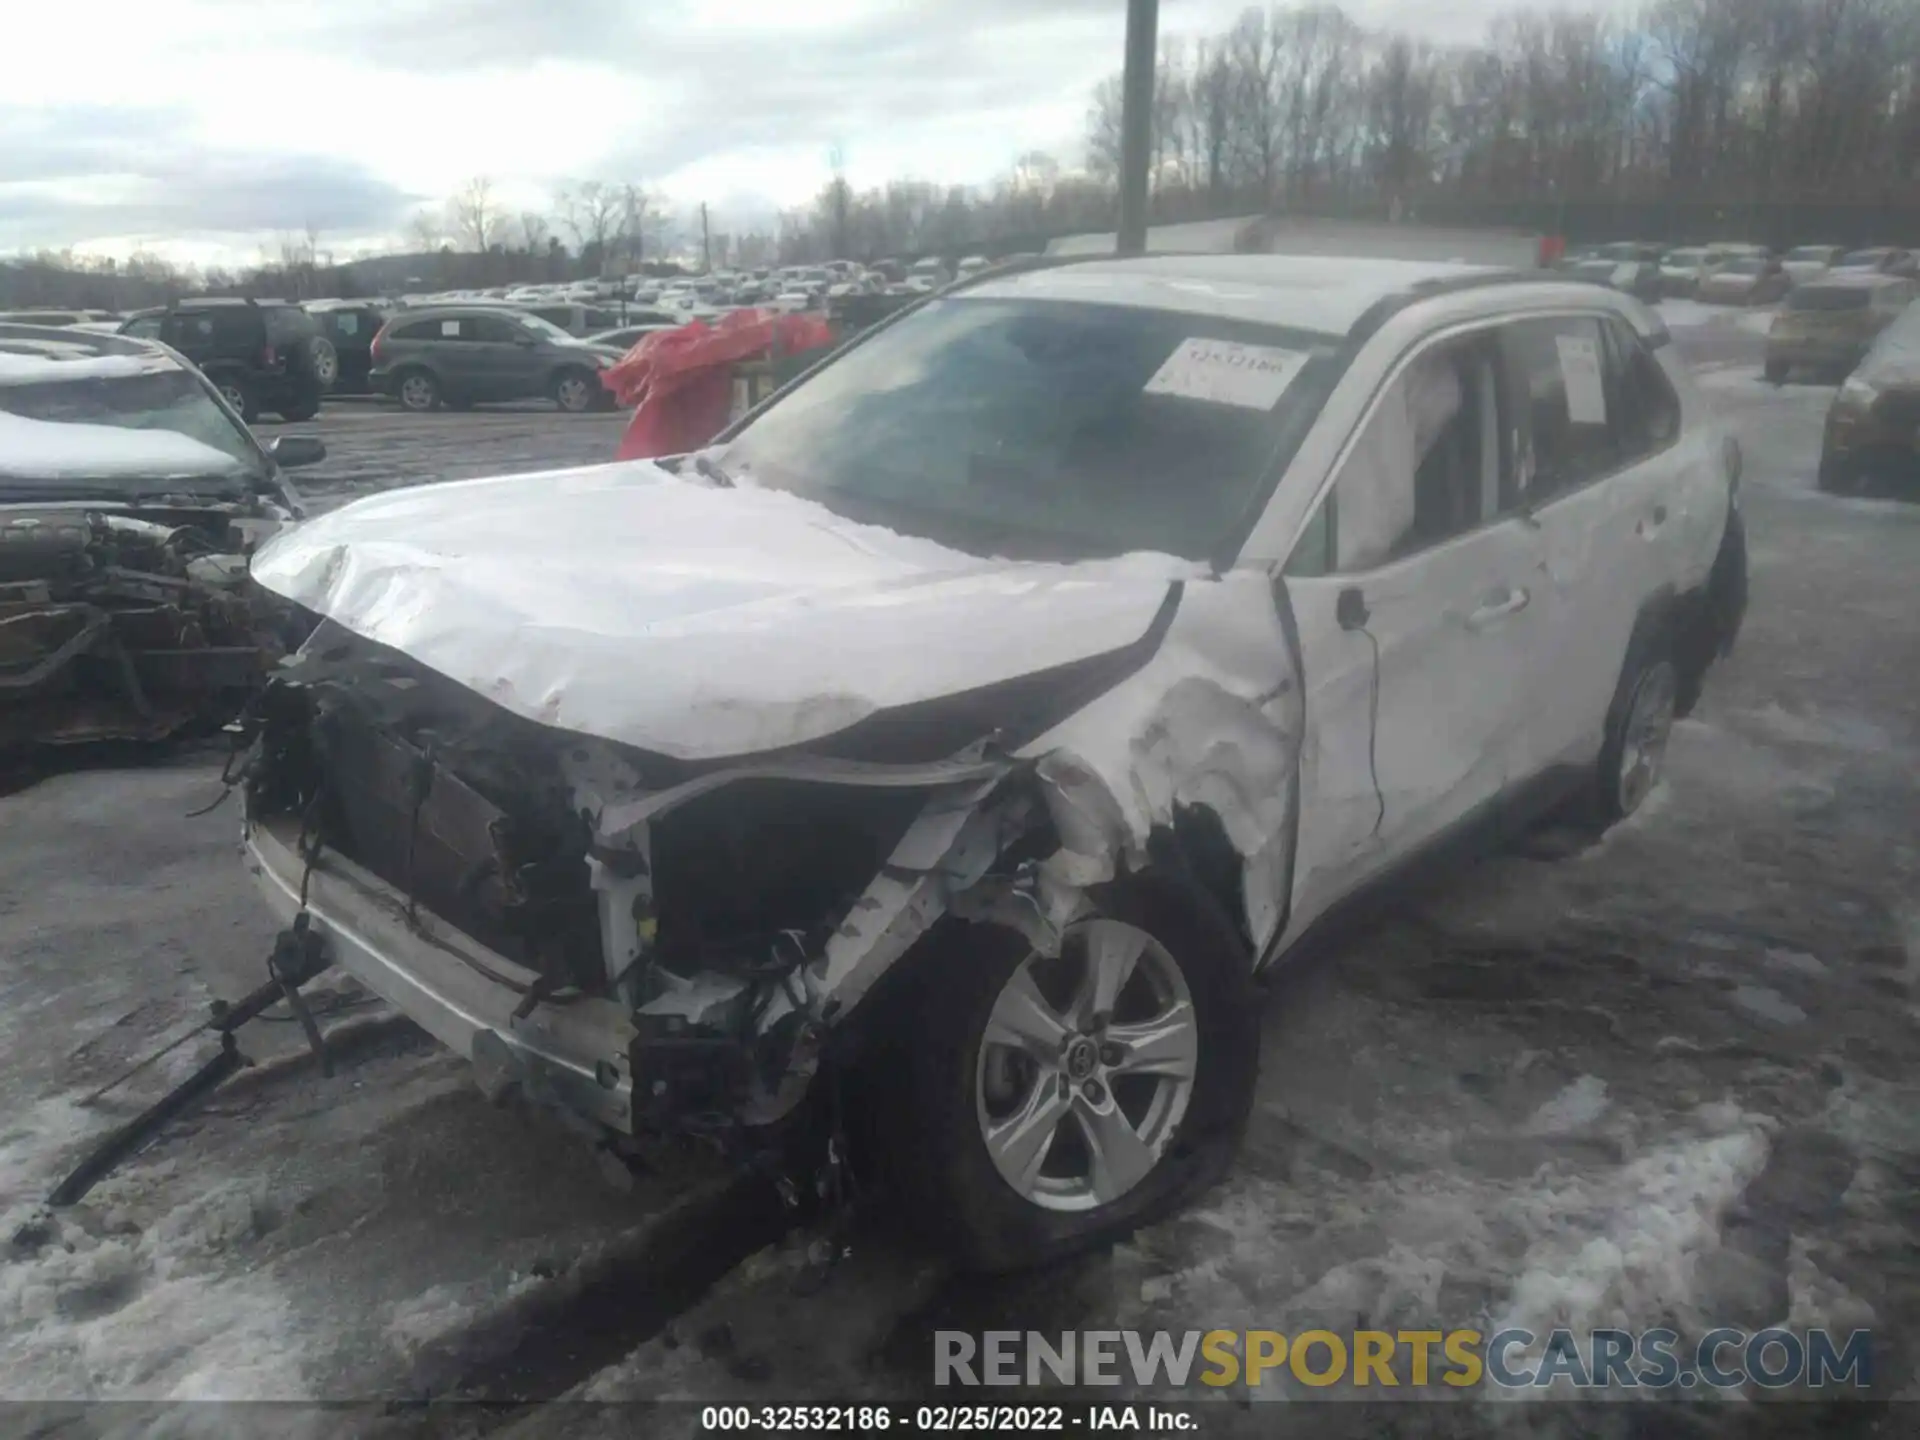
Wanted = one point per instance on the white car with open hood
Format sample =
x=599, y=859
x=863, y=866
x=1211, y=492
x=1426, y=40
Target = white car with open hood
x=938, y=757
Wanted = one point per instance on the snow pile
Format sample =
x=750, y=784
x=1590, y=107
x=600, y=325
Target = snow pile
x=442, y=1310
x=98, y=1309
x=1572, y=1110
x=1617, y=1248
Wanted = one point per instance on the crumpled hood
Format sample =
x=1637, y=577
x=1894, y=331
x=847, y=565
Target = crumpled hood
x=696, y=622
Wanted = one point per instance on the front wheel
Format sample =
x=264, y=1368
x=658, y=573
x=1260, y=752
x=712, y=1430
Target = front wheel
x=1056, y=1102
x=1777, y=371
x=238, y=394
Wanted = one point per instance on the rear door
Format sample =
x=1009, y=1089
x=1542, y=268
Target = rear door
x=506, y=366
x=1421, y=638
x=1599, y=470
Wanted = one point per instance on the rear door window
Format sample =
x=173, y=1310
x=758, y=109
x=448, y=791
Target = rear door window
x=492, y=329
x=1644, y=407
x=1557, y=375
x=423, y=330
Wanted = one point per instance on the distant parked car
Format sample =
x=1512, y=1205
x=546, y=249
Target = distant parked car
x=1745, y=280
x=461, y=355
x=579, y=319
x=350, y=326
x=1885, y=260
x=1872, y=438
x=1810, y=262
x=262, y=355
x=1829, y=325
x=625, y=338
x=1680, y=271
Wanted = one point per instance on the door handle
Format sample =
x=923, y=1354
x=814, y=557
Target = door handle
x=1496, y=607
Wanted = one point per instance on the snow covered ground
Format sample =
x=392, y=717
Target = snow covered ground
x=1668, y=1077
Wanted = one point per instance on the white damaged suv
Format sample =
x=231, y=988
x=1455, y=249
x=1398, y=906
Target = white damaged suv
x=940, y=756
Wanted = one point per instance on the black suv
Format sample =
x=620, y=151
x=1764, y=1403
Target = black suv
x=262, y=355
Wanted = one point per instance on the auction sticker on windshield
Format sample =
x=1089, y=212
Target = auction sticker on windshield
x=1227, y=373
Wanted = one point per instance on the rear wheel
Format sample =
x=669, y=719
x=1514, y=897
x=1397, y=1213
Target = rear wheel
x=305, y=408
x=324, y=361
x=1639, y=725
x=418, y=391
x=1053, y=1103
x=575, y=391
x=1777, y=371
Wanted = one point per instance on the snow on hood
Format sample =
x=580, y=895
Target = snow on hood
x=53, y=450
x=696, y=622
x=57, y=361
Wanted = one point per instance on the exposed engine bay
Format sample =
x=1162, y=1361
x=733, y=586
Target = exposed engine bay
x=728, y=911
x=123, y=624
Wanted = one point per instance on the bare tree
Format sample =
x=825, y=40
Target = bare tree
x=475, y=217
x=534, y=231
x=590, y=212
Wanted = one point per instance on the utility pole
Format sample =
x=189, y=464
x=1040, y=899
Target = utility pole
x=706, y=241
x=1136, y=124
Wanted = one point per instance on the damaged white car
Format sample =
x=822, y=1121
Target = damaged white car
x=942, y=754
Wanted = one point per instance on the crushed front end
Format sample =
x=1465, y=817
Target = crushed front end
x=124, y=626
x=645, y=945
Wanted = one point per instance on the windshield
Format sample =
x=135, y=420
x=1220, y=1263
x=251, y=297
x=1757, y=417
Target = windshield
x=1810, y=252
x=1047, y=428
x=1863, y=257
x=1827, y=297
x=129, y=435
x=1743, y=267
x=1686, y=257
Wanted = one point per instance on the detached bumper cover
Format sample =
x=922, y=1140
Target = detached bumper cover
x=572, y=1054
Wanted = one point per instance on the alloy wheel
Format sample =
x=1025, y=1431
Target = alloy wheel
x=1087, y=1067
x=1644, y=737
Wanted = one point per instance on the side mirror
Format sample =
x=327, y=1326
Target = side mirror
x=1350, y=609
x=290, y=452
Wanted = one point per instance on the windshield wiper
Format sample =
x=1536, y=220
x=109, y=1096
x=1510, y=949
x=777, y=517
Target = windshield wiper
x=712, y=472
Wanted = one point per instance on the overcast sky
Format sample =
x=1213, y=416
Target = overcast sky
x=200, y=128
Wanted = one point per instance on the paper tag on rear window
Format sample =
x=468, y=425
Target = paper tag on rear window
x=1580, y=370
x=449, y=327
x=1225, y=373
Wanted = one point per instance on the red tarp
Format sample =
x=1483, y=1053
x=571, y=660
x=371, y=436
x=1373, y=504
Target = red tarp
x=681, y=381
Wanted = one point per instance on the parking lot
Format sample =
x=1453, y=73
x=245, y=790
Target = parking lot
x=1668, y=1074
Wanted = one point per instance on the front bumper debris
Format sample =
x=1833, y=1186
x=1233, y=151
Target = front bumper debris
x=570, y=1054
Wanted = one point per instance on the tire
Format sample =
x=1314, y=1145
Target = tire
x=949, y=1083
x=576, y=391
x=417, y=390
x=239, y=394
x=301, y=410
x=1639, y=725
x=323, y=361
x=1777, y=371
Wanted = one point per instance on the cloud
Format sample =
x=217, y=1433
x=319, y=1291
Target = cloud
x=243, y=117
x=70, y=173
